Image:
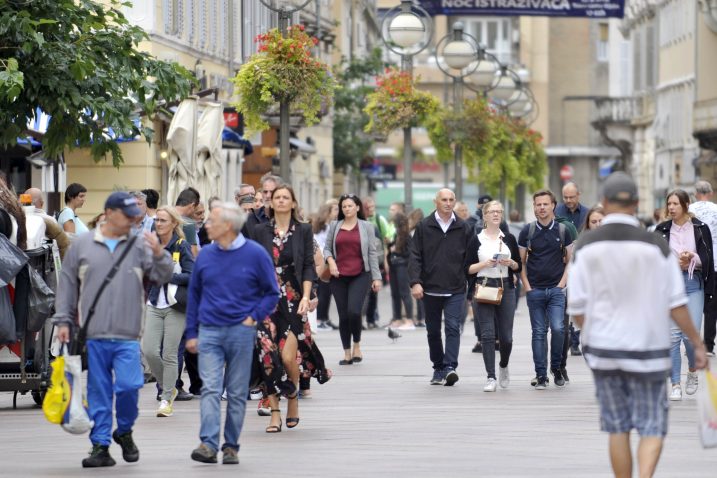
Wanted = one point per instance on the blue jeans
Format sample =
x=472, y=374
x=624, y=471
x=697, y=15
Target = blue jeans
x=453, y=309
x=104, y=357
x=547, y=309
x=695, y=303
x=219, y=347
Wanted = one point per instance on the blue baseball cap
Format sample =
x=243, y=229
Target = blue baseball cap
x=125, y=202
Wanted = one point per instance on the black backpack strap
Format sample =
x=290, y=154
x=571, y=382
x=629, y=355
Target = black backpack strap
x=531, y=233
x=115, y=267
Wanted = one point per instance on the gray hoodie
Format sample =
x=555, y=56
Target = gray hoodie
x=118, y=314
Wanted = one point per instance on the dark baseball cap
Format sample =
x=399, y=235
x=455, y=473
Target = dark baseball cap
x=619, y=186
x=125, y=202
x=484, y=199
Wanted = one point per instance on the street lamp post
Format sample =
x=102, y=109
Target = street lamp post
x=457, y=55
x=406, y=30
x=285, y=13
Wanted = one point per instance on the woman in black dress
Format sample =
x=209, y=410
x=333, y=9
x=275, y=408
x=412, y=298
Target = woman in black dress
x=290, y=243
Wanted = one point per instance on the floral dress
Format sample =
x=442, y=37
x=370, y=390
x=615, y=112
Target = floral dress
x=285, y=318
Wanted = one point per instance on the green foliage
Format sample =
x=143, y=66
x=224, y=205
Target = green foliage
x=283, y=70
x=497, y=150
x=78, y=61
x=351, y=143
x=397, y=103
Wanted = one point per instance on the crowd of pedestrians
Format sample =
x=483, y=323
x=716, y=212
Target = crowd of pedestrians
x=224, y=289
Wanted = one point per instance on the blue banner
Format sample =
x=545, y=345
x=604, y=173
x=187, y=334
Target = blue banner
x=541, y=8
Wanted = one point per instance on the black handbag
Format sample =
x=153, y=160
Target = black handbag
x=79, y=341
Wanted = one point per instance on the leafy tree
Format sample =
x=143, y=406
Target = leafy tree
x=351, y=143
x=78, y=61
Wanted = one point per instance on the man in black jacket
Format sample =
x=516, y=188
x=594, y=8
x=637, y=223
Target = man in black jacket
x=437, y=271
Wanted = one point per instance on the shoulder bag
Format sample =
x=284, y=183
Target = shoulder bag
x=489, y=295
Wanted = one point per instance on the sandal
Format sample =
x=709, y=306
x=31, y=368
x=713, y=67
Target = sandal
x=346, y=362
x=275, y=428
x=357, y=359
x=293, y=421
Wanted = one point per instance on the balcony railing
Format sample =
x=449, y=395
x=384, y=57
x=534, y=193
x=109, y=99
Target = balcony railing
x=615, y=110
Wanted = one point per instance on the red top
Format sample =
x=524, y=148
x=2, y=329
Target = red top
x=348, y=252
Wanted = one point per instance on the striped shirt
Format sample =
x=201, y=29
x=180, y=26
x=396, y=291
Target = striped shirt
x=625, y=281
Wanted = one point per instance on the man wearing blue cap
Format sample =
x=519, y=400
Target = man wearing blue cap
x=115, y=318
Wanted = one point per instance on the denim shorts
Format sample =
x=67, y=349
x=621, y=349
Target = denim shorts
x=628, y=402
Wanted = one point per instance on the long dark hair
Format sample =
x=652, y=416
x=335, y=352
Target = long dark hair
x=9, y=202
x=319, y=221
x=595, y=209
x=294, y=210
x=414, y=218
x=401, y=222
x=356, y=201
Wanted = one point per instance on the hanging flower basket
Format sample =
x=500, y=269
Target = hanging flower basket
x=396, y=103
x=283, y=70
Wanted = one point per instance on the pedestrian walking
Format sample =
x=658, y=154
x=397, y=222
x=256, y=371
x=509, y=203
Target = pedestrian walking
x=570, y=208
x=398, y=254
x=113, y=350
x=545, y=251
x=706, y=211
x=437, y=270
x=75, y=197
x=414, y=218
x=384, y=234
x=625, y=311
x=290, y=242
x=260, y=215
x=351, y=254
x=691, y=241
x=165, y=317
x=497, y=261
x=233, y=286
x=328, y=212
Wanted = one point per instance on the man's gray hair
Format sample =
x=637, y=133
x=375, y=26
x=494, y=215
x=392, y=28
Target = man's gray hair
x=232, y=214
x=703, y=187
x=271, y=177
x=237, y=190
x=138, y=195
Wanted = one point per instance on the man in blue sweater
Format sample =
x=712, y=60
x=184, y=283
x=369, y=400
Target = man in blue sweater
x=233, y=287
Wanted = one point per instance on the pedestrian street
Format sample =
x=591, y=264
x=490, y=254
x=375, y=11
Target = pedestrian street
x=379, y=418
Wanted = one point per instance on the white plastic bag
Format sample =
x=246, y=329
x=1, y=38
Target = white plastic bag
x=172, y=288
x=707, y=409
x=76, y=419
x=313, y=323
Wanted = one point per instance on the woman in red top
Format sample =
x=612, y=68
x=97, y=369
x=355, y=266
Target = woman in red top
x=351, y=254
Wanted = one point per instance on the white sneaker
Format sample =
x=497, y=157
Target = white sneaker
x=503, y=377
x=408, y=326
x=165, y=409
x=490, y=385
x=676, y=394
x=691, y=385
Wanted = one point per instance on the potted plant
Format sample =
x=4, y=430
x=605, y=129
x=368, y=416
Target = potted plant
x=283, y=70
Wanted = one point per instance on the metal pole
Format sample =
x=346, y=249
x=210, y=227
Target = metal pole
x=407, y=66
x=458, y=152
x=284, y=161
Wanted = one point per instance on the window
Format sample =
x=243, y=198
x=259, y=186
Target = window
x=603, y=42
x=493, y=33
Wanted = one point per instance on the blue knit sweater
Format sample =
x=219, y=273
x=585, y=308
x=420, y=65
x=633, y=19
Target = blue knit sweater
x=227, y=286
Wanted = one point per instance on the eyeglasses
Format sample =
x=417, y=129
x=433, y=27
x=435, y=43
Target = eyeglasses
x=495, y=212
x=161, y=221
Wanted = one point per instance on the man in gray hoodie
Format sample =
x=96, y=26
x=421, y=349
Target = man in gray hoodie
x=114, y=330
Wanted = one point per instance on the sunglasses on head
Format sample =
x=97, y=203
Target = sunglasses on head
x=349, y=196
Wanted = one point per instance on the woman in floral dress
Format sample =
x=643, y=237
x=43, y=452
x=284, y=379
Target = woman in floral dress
x=291, y=245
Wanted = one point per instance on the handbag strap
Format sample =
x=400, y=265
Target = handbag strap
x=103, y=286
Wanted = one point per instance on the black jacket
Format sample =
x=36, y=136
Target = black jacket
x=186, y=261
x=703, y=241
x=438, y=259
x=255, y=217
x=302, y=244
x=472, y=258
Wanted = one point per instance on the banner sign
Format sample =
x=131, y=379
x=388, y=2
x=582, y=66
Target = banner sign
x=540, y=8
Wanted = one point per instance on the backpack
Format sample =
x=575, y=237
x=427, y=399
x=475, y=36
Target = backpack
x=562, y=230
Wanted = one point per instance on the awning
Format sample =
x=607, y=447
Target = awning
x=302, y=146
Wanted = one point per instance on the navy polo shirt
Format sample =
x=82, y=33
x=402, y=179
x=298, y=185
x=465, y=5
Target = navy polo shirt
x=545, y=265
x=577, y=217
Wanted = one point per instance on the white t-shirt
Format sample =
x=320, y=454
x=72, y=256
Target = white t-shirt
x=68, y=214
x=706, y=211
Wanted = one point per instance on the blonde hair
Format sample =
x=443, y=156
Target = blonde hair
x=494, y=202
x=176, y=220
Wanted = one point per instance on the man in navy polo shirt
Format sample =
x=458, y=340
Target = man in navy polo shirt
x=571, y=209
x=545, y=250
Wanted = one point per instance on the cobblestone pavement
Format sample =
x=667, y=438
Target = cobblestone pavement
x=379, y=418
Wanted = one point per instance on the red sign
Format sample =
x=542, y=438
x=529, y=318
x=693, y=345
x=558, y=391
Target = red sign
x=566, y=172
x=231, y=119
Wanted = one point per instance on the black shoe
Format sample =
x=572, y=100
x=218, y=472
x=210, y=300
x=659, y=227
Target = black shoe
x=159, y=397
x=204, y=454
x=99, y=456
x=478, y=348
x=541, y=383
x=534, y=382
x=346, y=362
x=324, y=325
x=372, y=325
x=420, y=323
x=451, y=377
x=332, y=325
x=130, y=453
x=183, y=396
x=558, y=377
x=575, y=351
x=564, y=373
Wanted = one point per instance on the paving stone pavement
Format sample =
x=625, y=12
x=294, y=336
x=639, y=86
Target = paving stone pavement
x=379, y=418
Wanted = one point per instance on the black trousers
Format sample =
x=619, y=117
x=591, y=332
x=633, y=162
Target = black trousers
x=324, y=296
x=349, y=294
x=400, y=290
x=191, y=360
x=710, y=327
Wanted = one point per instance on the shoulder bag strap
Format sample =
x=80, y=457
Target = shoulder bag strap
x=108, y=279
